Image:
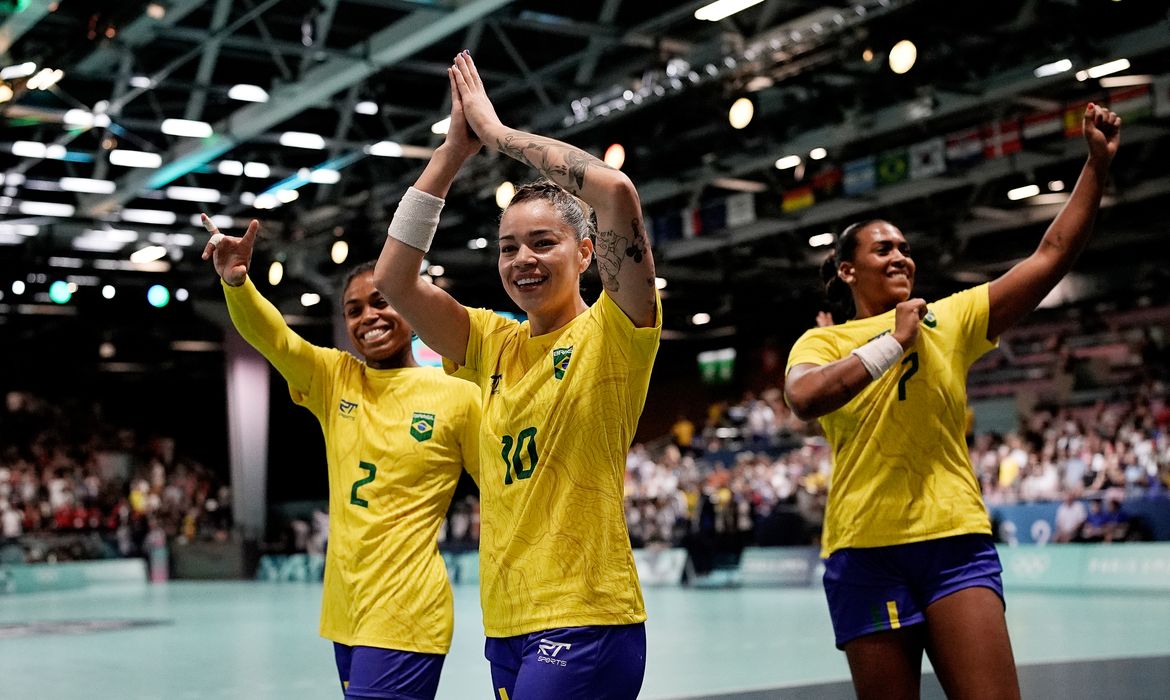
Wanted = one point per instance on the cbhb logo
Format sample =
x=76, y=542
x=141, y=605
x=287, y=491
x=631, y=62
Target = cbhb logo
x=547, y=652
x=560, y=358
x=422, y=426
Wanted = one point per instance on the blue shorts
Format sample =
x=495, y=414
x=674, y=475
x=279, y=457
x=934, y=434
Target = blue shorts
x=569, y=663
x=884, y=588
x=387, y=674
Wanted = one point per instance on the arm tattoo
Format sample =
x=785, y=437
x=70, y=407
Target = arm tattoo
x=612, y=250
x=559, y=162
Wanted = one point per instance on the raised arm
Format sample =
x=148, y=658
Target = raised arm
x=1022, y=288
x=439, y=320
x=257, y=320
x=622, y=247
x=815, y=390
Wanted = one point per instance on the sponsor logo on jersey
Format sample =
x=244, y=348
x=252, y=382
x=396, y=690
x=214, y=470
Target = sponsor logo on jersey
x=547, y=650
x=422, y=426
x=346, y=408
x=496, y=383
x=560, y=358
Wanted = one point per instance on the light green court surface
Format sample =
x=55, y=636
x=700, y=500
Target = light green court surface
x=259, y=641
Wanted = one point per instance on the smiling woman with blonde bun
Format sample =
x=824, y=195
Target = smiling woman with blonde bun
x=910, y=563
x=562, y=393
x=397, y=437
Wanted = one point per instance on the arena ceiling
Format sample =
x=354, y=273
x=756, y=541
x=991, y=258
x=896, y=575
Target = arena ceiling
x=937, y=149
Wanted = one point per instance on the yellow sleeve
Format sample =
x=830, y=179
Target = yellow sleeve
x=641, y=344
x=483, y=323
x=815, y=347
x=972, y=308
x=259, y=322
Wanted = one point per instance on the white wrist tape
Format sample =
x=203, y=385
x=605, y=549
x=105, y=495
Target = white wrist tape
x=416, y=219
x=879, y=355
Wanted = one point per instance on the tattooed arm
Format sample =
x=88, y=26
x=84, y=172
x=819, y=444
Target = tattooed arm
x=622, y=247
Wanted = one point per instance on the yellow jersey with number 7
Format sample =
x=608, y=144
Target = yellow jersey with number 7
x=901, y=469
x=396, y=441
x=559, y=414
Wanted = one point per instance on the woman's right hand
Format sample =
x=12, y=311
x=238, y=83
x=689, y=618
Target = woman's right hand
x=231, y=255
x=907, y=316
x=477, y=108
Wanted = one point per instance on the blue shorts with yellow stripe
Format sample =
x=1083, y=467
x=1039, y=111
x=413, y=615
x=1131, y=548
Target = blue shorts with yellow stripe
x=874, y=589
x=373, y=673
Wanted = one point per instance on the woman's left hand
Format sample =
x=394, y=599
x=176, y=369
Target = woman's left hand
x=1102, y=132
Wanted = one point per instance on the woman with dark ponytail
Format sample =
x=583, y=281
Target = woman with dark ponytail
x=910, y=563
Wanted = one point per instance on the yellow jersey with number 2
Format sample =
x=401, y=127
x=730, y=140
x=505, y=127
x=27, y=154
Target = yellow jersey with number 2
x=396, y=441
x=901, y=469
x=559, y=414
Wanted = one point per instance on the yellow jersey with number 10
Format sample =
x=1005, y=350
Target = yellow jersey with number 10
x=559, y=413
x=901, y=469
x=396, y=441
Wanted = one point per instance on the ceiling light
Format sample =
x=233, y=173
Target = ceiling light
x=85, y=119
x=181, y=294
x=85, y=184
x=504, y=194
x=1054, y=68
x=1117, y=81
x=477, y=243
x=108, y=291
x=741, y=113
x=822, y=239
x=787, y=162
x=135, y=159
x=721, y=9
x=275, y=272
x=338, y=252
x=739, y=185
x=286, y=196
x=186, y=127
x=220, y=220
x=1056, y=186
x=366, y=107
x=257, y=170
x=436, y=270
x=59, y=292
x=26, y=230
x=265, y=201
x=310, y=299
x=156, y=11
x=1023, y=192
x=141, y=82
x=148, y=254
x=22, y=70
x=660, y=283
x=867, y=55
x=46, y=209
x=302, y=139
x=233, y=168
x=194, y=194
x=5, y=93
x=701, y=319
x=325, y=176
x=158, y=295
x=817, y=153
x=248, y=93
x=149, y=216
x=902, y=56
x=1104, y=69
x=17, y=287
x=388, y=149
x=440, y=127
x=615, y=156
x=45, y=79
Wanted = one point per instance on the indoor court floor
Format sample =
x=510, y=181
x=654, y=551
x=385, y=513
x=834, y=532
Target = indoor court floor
x=204, y=640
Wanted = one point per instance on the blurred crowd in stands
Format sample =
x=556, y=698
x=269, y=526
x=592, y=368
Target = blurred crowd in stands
x=74, y=486
x=1093, y=436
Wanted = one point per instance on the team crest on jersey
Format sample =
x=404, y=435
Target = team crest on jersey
x=422, y=426
x=930, y=320
x=560, y=358
x=346, y=408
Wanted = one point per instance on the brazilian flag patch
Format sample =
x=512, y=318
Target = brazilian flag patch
x=422, y=426
x=929, y=320
x=560, y=358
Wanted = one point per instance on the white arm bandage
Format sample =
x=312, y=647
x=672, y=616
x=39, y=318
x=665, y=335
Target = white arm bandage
x=879, y=355
x=416, y=219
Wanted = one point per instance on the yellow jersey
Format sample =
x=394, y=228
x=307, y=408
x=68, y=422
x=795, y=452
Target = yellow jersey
x=559, y=414
x=901, y=469
x=395, y=441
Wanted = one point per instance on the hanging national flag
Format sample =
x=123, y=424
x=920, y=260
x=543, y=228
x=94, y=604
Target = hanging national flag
x=1001, y=138
x=1132, y=102
x=741, y=209
x=928, y=159
x=1073, y=114
x=860, y=175
x=964, y=148
x=797, y=199
x=692, y=223
x=826, y=183
x=713, y=216
x=1041, y=126
x=893, y=167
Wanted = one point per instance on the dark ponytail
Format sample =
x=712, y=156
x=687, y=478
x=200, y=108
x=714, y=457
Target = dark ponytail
x=836, y=291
